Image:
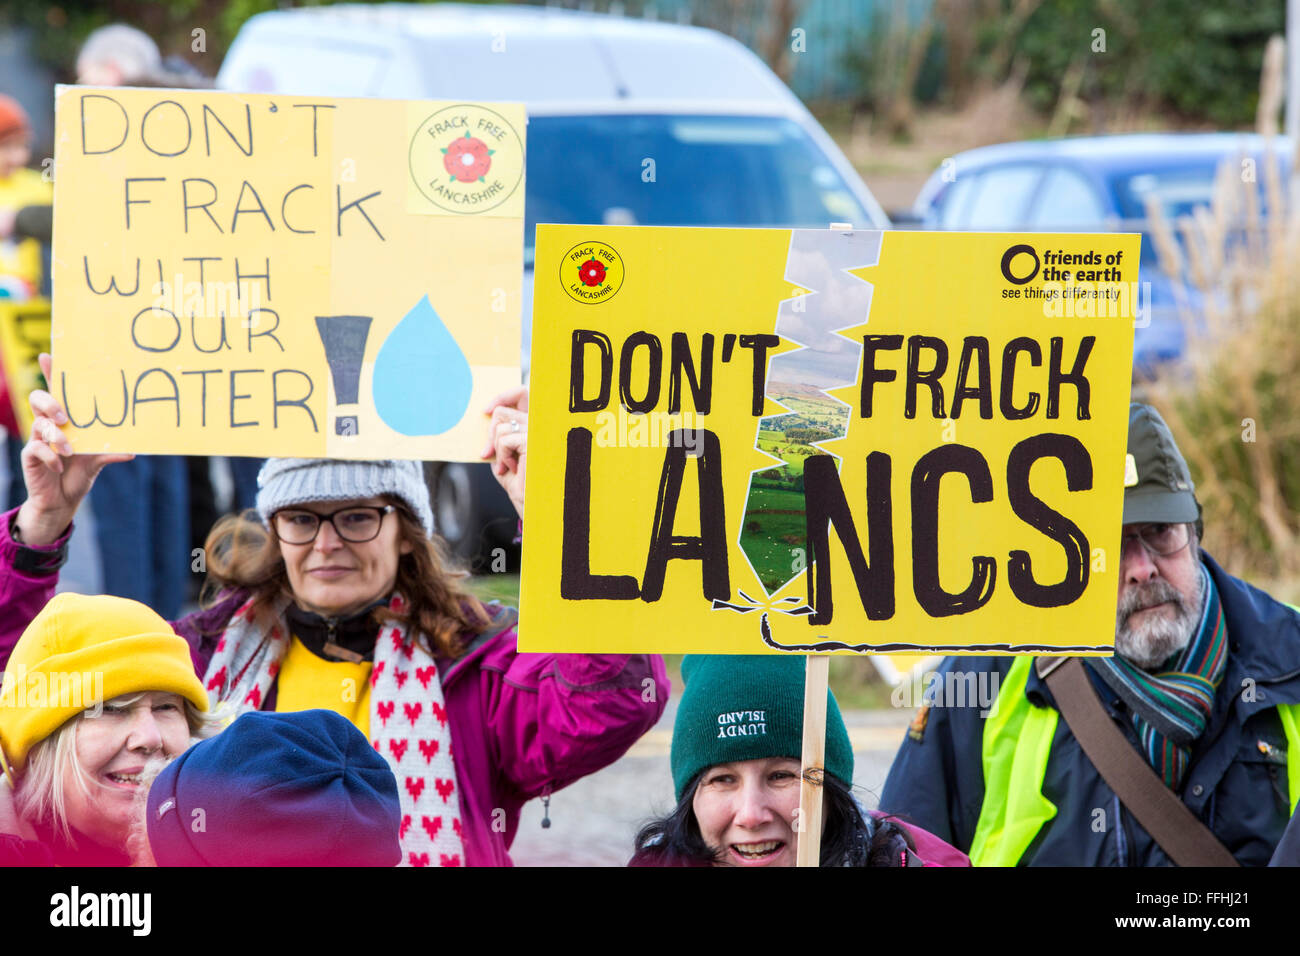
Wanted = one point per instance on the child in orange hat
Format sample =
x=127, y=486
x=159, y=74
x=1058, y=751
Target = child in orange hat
x=20, y=259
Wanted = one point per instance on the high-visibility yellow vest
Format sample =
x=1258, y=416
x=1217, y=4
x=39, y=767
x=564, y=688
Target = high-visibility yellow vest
x=1016, y=746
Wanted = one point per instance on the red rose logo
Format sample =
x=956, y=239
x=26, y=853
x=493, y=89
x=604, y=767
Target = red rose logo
x=599, y=270
x=591, y=272
x=467, y=159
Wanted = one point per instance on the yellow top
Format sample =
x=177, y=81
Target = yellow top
x=307, y=682
x=23, y=259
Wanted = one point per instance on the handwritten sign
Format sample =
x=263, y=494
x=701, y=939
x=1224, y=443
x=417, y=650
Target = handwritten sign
x=268, y=275
x=817, y=441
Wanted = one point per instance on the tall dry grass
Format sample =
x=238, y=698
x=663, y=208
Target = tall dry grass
x=1234, y=403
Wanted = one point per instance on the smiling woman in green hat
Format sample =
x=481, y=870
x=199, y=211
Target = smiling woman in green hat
x=736, y=772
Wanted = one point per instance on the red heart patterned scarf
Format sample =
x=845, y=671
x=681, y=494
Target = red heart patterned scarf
x=408, y=722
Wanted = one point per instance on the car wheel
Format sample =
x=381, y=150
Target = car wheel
x=472, y=512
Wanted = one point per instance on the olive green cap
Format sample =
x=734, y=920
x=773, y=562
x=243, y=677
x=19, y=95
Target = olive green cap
x=1157, y=485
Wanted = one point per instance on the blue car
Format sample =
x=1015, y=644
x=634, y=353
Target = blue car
x=1098, y=184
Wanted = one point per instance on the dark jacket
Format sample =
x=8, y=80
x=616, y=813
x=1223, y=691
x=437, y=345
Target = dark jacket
x=1236, y=781
x=929, y=850
x=1288, y=850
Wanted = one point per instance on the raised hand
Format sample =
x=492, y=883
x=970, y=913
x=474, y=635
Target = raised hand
x=507, y=446
x=56, y=479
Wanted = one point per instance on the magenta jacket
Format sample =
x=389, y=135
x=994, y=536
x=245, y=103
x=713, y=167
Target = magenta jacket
x=931, y=850
x=522, y=725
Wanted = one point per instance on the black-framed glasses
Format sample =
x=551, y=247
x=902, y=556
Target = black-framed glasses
x=356, y=523
x=1159, y=538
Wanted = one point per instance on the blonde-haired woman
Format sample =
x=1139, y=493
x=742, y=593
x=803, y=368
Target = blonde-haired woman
x=95, y=689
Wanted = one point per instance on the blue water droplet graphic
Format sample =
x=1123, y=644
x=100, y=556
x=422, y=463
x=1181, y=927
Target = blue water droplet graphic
x=422, y=380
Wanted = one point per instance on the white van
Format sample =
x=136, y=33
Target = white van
x=630, y=122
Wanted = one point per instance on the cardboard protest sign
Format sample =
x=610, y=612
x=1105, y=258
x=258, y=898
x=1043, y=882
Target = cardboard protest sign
x=772, y=440
x=24, y=335
x=277, y=275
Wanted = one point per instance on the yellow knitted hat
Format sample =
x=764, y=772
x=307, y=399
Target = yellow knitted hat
x=80, y=651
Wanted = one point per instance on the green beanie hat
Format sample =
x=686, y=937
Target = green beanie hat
x=748, y=708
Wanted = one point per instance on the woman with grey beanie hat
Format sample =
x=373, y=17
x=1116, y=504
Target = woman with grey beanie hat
x=337, y=594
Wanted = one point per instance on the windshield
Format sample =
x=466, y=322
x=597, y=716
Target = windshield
x=681, y=171
x=1177, y=192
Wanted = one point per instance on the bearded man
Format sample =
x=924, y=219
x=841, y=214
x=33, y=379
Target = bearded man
x=1203, y=686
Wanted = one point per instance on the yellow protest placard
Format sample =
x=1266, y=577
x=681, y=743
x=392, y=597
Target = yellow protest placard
x=24, y=335
x=747, y=441
x=276, y=275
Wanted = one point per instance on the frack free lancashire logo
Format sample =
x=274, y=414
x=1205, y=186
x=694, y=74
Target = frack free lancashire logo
x=591, y=272
x=466, y=159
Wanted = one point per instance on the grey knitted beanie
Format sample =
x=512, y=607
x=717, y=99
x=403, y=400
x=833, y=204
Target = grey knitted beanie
x=283, y=482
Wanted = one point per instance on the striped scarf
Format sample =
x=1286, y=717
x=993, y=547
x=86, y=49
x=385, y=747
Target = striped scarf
x=408, y=721
x=1171, y=708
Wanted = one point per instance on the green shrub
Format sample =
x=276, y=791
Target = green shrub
x=1234, y=404
x=1199, y=59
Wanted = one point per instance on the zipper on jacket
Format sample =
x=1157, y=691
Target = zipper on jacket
x=546, y=807
x=1122, y=841
x=332, y=647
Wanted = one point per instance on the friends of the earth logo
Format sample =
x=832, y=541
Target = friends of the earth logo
x=591, y=272
x=466, y=159
x=1084, y=284
x=1095, y=266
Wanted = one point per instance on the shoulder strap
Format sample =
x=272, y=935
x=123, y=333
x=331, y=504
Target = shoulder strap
x=1157, y=808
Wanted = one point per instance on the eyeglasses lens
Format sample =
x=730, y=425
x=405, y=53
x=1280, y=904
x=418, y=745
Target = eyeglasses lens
x=357, y=525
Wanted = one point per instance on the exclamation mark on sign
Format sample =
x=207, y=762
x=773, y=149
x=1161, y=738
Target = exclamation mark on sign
x=344, y=337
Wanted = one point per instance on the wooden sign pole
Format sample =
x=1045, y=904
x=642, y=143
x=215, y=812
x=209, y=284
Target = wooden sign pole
x=814, y=760
x=815, y=688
